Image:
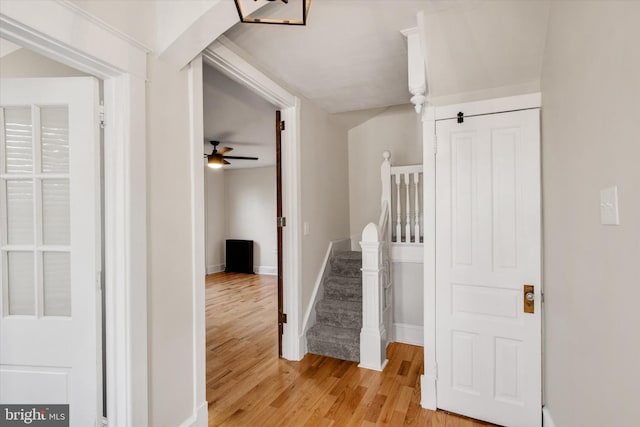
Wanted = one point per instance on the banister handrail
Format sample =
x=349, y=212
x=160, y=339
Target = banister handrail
x=406, y=169
x=383, y=222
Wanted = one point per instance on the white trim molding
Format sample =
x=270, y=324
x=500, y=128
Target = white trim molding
x=198, y=272
x=408, y=334
x=215, y=268
x=430, y=116
x=104, y=52
x=267, y=270
x=547, y=420
x=222, y=56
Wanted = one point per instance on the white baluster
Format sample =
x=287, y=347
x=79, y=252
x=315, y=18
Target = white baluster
x=399, y=210
x=416, y=182
x=407, y=224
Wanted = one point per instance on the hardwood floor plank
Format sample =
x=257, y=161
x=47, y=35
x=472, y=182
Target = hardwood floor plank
x=248, y=385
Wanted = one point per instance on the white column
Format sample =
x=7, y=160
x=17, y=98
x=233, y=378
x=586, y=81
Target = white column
x=416, y=68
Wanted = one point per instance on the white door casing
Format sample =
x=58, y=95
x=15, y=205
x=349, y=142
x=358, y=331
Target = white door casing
x=50, y=316
x=488, y=245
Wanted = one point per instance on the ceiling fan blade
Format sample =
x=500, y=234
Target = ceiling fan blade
x=240, y=158
x=224, y=150
x=226, y=163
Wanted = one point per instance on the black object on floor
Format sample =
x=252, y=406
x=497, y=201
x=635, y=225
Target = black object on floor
x=239, y=258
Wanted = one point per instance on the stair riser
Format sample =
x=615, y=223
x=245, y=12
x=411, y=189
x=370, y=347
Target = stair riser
x=339, y=351
x=343, y=294
x=340, y=320
x=346, y=269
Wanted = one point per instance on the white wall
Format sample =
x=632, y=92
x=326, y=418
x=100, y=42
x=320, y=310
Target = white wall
x=169, y=246
x=408, y=302
x=324, y=190
x=591, y=128
x=26, y=63
x=250, y=213
x=134, y=18
x=398, y=130
x=214, y=190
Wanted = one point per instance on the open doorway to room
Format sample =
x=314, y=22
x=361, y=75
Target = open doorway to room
x=241, y=246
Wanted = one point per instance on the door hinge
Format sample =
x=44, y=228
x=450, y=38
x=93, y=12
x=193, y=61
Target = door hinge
x=283, y=317
x=101, y=114
x=282, y=126
x=282, y=221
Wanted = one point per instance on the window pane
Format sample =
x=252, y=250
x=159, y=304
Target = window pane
x=19, y=212
x=54, y=123
x=55, y=211
x=21, y=283
x=18, y=142
x=57, y=284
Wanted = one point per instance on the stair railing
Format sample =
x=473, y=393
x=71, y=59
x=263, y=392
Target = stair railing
x=376, y=292
x=401, y=188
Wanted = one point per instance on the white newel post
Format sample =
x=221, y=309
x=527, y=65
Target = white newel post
x=373, y=337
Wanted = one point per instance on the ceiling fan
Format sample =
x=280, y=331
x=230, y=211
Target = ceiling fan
x=217, y=159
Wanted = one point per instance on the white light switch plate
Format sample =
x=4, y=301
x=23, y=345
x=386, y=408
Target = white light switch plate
x=609, y=206
x=306, y=228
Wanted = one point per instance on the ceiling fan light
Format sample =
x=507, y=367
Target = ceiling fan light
x=215, y=161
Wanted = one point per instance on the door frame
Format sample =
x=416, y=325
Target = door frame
x=220, y=56
x=121, y=63
x=430, y=116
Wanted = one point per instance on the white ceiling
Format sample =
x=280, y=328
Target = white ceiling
x=239, y=119
x=352, y=56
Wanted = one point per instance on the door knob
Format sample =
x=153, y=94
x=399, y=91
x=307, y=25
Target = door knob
x=529, y=299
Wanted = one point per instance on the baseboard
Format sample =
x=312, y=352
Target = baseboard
x=428, y=392
x=408, y=334
x=547, y=421
x=216, y=268
x=200, y=417
x=264, y=269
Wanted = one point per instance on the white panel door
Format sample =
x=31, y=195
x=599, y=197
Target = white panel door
x=488, y=245
x=50, y=313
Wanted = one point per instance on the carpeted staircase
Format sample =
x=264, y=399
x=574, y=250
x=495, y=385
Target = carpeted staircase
x=339, y=315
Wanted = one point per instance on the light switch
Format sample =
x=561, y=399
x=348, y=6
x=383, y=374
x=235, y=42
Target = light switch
x=306, y=228
x=609, y=206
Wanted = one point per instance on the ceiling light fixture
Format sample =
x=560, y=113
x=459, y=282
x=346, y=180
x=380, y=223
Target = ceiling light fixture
x=253, y=12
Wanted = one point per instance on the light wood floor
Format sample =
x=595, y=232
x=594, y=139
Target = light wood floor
x=248, y=385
